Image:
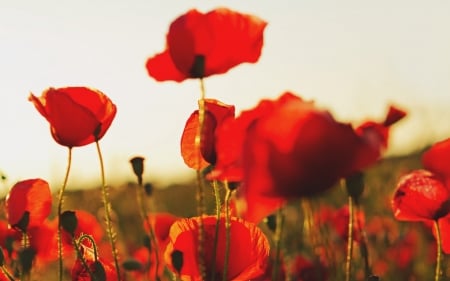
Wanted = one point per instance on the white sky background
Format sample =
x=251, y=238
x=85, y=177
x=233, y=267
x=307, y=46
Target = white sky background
x=351, y=57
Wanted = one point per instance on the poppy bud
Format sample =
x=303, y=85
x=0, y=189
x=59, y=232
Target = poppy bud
x=26, y=257
x=132, y=265
x=69, y=222
x=137, y=164
x=177, y=260
x=148, y=187
x=99, y=271
x=355, y=185
x=147, y=242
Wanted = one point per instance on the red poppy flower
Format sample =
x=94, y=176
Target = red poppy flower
x=288, y=148
x=77, y=115
x=215, y=114
x=303, y=269
x=420, y=196
x=436, y=159
x=161, y=223
x=248, y=254
x=29, y=197
x=201, y=45
x=99, y=267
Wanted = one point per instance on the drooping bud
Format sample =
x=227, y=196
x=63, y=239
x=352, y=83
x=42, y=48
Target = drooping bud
x=69, y=222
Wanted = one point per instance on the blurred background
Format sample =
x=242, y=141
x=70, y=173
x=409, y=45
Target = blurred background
x=353, y=58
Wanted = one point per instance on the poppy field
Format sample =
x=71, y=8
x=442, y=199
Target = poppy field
x=279, y=191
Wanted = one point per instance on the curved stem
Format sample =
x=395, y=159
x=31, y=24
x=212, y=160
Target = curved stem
x=277, y=240
x=348, y=264
x=216, y=231
x=60, y=204
x=200, y=187
x=107, y=206
x=437, y=274
x=227, y=231
x=81, y=257
x=7, y=273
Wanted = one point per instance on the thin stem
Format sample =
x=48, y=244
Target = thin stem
x=437, y=274
x=144, y=217
x=200, y=187
x=6, y=272
x=363, y=243
x=80, y=256
x=216, y=231
x=107, y=206
x=60, y=204
x=227, y=230
x=277, y=240
x=348, y=264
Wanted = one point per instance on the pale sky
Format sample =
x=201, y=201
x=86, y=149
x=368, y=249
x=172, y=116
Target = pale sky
x=352, y=57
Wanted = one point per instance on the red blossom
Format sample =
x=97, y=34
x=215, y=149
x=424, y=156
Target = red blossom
x=200, y=45
x=288, y=148
x=77, y=115
x=216, y=113
x=32, y=196
x=302, y=269
x=248, y=254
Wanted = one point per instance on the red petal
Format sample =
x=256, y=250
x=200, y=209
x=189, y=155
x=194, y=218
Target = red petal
x=161, y=68
x=420, y=196
x=32, y=195
x=437, y=159
x=248, y=255
x=189, y=150
x=394, y=115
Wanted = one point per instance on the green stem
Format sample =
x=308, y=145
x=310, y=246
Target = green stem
x=216, y=231
x=277, y=240
x=227, y=230
x=348, y=264
x=60, y=204
x=144, y=216
x=363, y=243
x=6, y=272
x=200, y=187
x=437, y=274
x=81, y=257
x=107, y=206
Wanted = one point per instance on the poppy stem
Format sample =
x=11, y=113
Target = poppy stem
x=363, y=243
x=216, y=231
x=145, y=219
x=107, y=206
x=60, y=204
x=227, y=230
x=200, y=187
x=80, y=256
x=7, y=273
x=437, y=275
x=277, y=239
x=348, y=264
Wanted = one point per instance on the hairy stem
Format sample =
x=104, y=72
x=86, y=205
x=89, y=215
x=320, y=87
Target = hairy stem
x=437, y=275
x=60, y=204
x=348, y=263
x=107, y=206
x=227, y=230
x=216, y=231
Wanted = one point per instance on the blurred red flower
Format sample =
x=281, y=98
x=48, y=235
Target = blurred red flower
x=77, y=115
x=215, y=114
x=303, y=269
x=288, y=148
x=249, y=252
x=424, y=195
x=99, y=267
x=32, y=197
x=200, y=45
x=338, y=219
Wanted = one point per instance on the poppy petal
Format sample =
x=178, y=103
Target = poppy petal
x=436, y=159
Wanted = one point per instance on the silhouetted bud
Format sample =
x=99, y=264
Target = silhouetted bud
x=355, y=185
x=177, y=260
x=132, y=265
x=137, y=164
x=147, y=242
x=233, y=185
x=148, y=187
x=69, y=222
x=271, y=222
x=99, y=271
